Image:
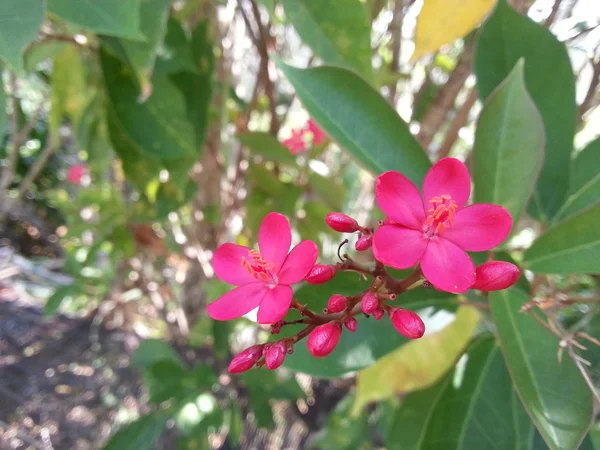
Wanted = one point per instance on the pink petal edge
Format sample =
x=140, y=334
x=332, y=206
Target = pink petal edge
x=448, y=176
x=400, y=199
x=447, y=267
x=238, y=302
x=275, y=304
x=298, y=263
x=479, y=227
x=274, y=239
x=227, y=264
x=398, y=247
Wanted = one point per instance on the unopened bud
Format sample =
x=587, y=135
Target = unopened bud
x=407, y=323
x=246, y=359
x=370, y=303
x=341, y=222
x=336, y=303
x=321, y=273
x=364, y=243
x=351, y=324
x=275, y=354
x=495, y=275
x=378, y=313
x=323, y=339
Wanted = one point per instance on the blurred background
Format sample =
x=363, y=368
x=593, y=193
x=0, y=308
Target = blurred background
x=125, y=163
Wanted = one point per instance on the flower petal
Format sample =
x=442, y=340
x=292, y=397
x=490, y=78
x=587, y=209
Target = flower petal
x=400, y=199
x=237, y=302
x=447, y=267
x=274, y=239
x=450, y=177
x=479, y=227
x=398, y=247
x=275, y=304
x=227, y=264
x=298, y=263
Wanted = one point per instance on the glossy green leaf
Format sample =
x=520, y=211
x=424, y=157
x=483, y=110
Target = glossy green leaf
x=343, y=430
x=330, y=189
x=20, y=21
x=165, y=380
x=41, y=51
x=141, y=434
x=175, y=53
x=140, y=55
x=584, y=188
x=470, y=409
x=571, y=246
x=152, y=351
x=110, y=17
x=554, y=394
x=506, y=37
x=338, y=31
x=360, y=119
x=509, y=146
x=373, y=339
x=158, y=126
x=60, y=294
x=266, y=146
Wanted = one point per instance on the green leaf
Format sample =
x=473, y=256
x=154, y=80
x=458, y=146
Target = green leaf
x=554, y=394
x=470, y=409
x=267, y=146
x=140, y=55
x=20, y=21
x=141, y=434
x=39, y=52
x=152, y=351
x=165, y=380
x=509, y=146
x=571, y=246
x=344, y=431
x=338, y=31
x=329, y=189
x=175, y=54
x=3, y=114
x=109, y=17
x=360, y=119
x=584, y=188
x=506, y=37
x=158, y=126
x=373, y=339
x=55, y=300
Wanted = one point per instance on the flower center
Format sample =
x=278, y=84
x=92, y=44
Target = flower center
x=442, y=212
x=259, y=268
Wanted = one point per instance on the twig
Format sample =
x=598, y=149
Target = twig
x=10, y=169
x=553, y=14
x=436, y=114
x=37, y=167
x=591, y=96
x=460, y=119
x=396, y=31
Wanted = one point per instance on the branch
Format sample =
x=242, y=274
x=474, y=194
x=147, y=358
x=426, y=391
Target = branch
x=38, y=166
x=553, y=14
x=396, y=31
x=460, y=119
x=590, y=97
x=10, y=169
x=436, y=114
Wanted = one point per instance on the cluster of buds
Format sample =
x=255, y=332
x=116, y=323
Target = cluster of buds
x=429, y=233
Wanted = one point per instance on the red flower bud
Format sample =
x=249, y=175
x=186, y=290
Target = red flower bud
x=341, y=222
x=323, y=339
x=275, y=354
x=370, y=303
x=321, y=273
x=336, y=303
x=495, y=275
x=351, y=323
x=246, y=359
x=378, y=313
x=364, y=243
x=407, y=323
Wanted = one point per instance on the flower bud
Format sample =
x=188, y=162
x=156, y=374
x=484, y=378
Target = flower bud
x=351, y=323
x=364, y=243
x=323, y=339
x=275, y=354
x=246, y=359
x=407, y=323
x=321, y=273
x=336, y=303
x=370, y=303
x=341, y=222
x=378, y=313
x=495, y=275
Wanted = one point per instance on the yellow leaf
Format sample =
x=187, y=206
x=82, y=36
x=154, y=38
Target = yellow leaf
x=441, y=22
x=417, y=364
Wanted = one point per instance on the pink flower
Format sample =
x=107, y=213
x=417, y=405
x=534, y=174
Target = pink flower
x=341, y=222
x=275, y=354
x=336, y=303
x=370, y=303
x=495, y=276
x=436, y=230
x=296, y=143
x=364, y=242
x=318, y=135
x=351, y=324
x=246, y=359
x=321, y=273
x=407, y=323
x=263, y=278
x=75, y=173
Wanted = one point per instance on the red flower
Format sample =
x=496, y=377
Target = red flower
x=263, y=278
x=318, y=135
x=296, y=143
x=75, y=173
x=246, y=359
x=495, y=276
x=436, y=230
